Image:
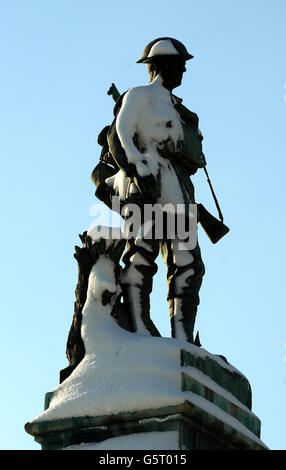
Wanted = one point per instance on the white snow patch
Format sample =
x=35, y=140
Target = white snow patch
x=123, y=371
x=129, y=372
x=171, y=191
x=178, y=320
x=221, y=415
x=145, y=111
x=211, y=384
x=102, y=278
x=163, y=47
x=168, y=440
x=148, y=112
x=109, y=234
x=181, y=257
x=120, y=184
x=132, y=372
x=126, y=372
x=159, y=420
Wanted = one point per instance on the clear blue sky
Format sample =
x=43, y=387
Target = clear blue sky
x=58, y=59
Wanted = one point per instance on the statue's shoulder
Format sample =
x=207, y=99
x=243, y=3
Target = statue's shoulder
x=136, y=95
x=130, y=97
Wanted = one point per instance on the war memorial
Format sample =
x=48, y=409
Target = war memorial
x=126, y=384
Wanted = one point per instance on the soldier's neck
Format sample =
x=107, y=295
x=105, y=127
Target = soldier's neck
x=164, y=83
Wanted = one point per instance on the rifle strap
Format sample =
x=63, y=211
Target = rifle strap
x=213, y=194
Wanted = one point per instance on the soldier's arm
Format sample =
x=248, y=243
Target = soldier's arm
x=126, y=125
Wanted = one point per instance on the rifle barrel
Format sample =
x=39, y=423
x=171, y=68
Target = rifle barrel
x=213, y=193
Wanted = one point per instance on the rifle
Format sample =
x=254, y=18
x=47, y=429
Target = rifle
x=214, y=228
x=113, y=91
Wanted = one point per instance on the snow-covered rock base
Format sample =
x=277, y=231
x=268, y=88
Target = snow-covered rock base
x=168, y=440
x=137, y=383
x=130, y=387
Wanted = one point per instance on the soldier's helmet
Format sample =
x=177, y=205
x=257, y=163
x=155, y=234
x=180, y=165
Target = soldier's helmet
x=162, y=47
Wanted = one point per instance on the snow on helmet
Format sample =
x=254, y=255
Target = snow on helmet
x=162, y=47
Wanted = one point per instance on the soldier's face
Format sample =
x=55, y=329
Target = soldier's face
x=172, y=70
x=175, y=70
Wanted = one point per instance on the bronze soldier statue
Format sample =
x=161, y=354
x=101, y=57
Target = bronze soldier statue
x=148, y=154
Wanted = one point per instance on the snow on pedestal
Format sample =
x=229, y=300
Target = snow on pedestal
x=142, y=385
x=133, y=373
x=167, y=440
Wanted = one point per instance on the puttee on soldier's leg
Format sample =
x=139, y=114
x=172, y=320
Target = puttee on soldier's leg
x=137, y=282
x=185, y=274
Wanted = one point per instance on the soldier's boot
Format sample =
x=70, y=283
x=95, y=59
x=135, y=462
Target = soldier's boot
x=137, y=282
x=137, y=303
x=182, y=315
x=184, y=283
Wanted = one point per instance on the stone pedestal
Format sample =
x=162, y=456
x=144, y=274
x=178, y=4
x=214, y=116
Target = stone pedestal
x=192, y=400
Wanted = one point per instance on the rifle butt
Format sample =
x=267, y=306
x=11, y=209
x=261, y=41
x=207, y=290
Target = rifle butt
x=214, y=228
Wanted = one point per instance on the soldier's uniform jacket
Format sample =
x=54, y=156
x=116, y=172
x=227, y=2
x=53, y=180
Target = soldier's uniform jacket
x=185, y=161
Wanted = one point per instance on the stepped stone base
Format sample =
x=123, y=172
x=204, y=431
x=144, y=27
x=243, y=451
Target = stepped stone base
x=197, y=429
x=211, y=411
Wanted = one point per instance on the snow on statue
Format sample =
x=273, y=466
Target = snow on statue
x=124, y=387
x=149, y=152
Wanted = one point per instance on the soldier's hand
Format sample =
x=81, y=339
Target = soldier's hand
x=130, y=170
x=137, y=165
x=142, y=168
x=148, y=187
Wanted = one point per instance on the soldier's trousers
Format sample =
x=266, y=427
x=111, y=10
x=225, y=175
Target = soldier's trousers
x=185, y=270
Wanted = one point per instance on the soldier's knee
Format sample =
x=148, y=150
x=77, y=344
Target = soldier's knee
x=199, y=268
